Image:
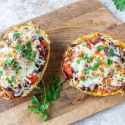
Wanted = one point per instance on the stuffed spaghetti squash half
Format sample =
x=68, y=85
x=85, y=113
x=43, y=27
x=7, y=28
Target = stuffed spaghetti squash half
x=24, y=54
x=95, y=64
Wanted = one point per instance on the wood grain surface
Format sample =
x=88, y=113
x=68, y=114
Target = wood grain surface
x=63, y=26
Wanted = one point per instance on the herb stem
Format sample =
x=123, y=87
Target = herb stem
x=62, y=81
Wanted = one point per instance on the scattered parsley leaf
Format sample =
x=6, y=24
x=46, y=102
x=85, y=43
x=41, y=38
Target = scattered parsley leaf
x=87, y=70
x=11, y=80
x=79, y=60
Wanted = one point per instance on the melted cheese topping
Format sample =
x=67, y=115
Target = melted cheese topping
x=97, y=62
x=20, y=56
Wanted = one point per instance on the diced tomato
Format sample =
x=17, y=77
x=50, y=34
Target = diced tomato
x=43, y=44
x=68, y=69
x=89, y=45
x=33, y=78
x=70, y=58
x=101, y=90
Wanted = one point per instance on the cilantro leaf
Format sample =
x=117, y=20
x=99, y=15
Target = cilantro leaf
x=16, y=34
x=85, y=56
x=10, y=61
x=100, y=47
x=84, y=43
x=1, y=73
x=108, y=61
x=95, y=67
x=120, y=4
x=111, y=52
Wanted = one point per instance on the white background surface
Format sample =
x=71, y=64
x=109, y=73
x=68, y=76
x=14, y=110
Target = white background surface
x=15, y=11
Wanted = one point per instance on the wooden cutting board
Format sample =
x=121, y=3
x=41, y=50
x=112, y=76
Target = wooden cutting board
x=63, y=26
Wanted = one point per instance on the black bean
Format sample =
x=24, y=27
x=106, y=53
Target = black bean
x=83, y=88
x=41, y=38
x=73, y=45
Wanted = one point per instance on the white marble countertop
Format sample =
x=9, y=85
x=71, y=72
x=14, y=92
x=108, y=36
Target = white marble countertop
x=32, y=8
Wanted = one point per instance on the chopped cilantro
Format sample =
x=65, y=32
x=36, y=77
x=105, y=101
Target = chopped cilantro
x=84, y=43
x=79, y=60
x=87, y=70
x=108, y=61
x=100, y=47
x=111, y=52
x=89, y=60
x=11, y=62
x=85, y=56
x=1, y=73
x=97, y=59
x=16, y=34
x=95, y=67
x=11, y=80
x=26, y=52
x=120, y=4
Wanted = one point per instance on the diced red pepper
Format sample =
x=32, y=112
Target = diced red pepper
x=70, y=58
x=33, y=78
x=68, y=69
x=89, y=46
x=101, y=90
x=43, y=44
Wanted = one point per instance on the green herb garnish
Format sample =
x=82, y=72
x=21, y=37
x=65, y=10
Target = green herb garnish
x=111, y=52
x=16, y=35
x=95, y=67
x=79, y=60
x=11, y=80
x=85, y=56
x=51, y=93
x=84, y=43
x=10, y=61
x=108, y=61
x=1, y=73
x=26, y=52
x=100, y=47
x=87, y=70
x=120, y=4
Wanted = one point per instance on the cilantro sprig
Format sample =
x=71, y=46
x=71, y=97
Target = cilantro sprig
x=40, y=105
